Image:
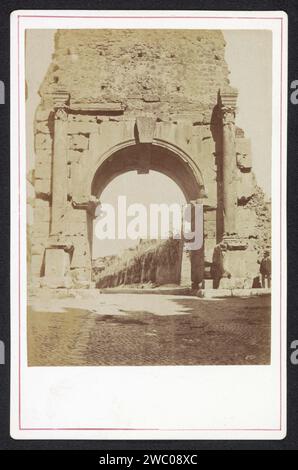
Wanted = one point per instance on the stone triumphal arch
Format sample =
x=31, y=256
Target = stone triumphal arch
x=117, y=100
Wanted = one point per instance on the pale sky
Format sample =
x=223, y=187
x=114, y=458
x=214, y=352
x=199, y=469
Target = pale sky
x=159, y=189
x=248, y=55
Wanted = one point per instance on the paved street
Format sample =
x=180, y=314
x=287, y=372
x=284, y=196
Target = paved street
x=148, y=329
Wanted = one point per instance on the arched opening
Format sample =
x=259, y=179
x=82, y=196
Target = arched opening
x=145, y=174
x=158, y=156
x=144, y=189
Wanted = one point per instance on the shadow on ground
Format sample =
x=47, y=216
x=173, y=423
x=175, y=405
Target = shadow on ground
x=202, y=332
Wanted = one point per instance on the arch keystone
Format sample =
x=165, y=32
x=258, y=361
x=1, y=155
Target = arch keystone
x=146, y=129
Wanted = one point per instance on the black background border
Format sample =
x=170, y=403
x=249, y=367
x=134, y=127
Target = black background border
x=6, y=442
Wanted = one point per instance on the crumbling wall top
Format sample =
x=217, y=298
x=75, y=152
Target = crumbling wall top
x=162, y=71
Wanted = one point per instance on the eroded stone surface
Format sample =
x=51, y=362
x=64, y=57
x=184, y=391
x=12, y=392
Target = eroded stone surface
x=107, y=93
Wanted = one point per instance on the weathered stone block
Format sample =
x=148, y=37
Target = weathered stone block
x=43, y=156
x=209, y=244
x=43, y=141
x=76, y=228
x=241, y=265
x=196, y=147
x=42, y=127
x=209, y=215
x=77, y=184
x=56, y=263
x=246, y=220
x=78, y=215
x=78, y=142
x=77, y=156
x=80, y=258
x=42, y=203
x=43, y=170
x=41, y=214
x=81, y=278
x=52, y=282
x=184, y=132
x=146, y=128
x=244, y=162
x=42, y=114
x=75, y=127
x=243, y=153
x=37, y=248
x=127, y=127
x=81, y=118
x=245, y=185
x=42, y=186
x=110, y=133
x=208, y=146
x=41, y=229
x=36, y=263
x=165, y=131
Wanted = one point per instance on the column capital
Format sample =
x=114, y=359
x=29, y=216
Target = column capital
x=90, y=204
x=60, y=97
x=61, y=114
x=228, y=97
x=228, y=101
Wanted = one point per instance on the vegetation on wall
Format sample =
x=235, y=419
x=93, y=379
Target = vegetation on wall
x=155, y=262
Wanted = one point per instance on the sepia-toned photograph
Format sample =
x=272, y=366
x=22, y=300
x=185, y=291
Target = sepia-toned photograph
x=148, y=165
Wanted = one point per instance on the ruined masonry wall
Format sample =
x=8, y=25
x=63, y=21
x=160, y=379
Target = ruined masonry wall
x=173, y=71
x=174, y=76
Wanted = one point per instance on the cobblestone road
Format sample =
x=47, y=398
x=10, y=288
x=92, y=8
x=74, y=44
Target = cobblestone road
x=128, y=329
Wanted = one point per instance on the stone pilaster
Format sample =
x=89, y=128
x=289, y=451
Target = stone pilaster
x=58, y=252
x=195, y=246
x=60, y=99
x=228, y=99
x=59, y=172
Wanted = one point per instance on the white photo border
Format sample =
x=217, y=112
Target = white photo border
x=166, y=402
